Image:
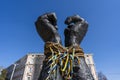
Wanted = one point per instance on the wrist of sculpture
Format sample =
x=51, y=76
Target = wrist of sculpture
x=65, y=57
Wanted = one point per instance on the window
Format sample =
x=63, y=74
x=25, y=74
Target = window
x=88, y=61
x=30, y=69
x=32, y=55
x=32, y=60
x=87, y=55
x=29, y=78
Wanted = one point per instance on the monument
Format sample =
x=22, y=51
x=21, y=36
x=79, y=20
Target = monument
x=63, y=63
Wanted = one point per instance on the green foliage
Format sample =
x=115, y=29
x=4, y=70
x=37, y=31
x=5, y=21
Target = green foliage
x=3, y=75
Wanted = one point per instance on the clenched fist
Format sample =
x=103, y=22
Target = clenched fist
x=46, y=26
x=75, y=31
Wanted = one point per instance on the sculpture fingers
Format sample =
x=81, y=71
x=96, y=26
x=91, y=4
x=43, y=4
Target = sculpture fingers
x=45, y=30
x=73, y=19
x=76, y=30
x=46, y=26
x=51, y=17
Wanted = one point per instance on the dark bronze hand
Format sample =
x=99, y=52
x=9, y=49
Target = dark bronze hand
x=75, y=31
x=46, y=26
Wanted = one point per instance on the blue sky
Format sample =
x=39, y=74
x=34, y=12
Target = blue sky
x=18, y=35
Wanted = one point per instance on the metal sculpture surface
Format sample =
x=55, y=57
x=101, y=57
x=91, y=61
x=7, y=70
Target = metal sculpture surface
x=63, y=63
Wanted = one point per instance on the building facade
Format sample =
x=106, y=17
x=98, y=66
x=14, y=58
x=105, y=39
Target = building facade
x=29, y=67
x=90, y=62
x=26, y=68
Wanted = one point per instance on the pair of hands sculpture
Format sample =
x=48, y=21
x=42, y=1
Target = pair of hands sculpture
x=47, y=28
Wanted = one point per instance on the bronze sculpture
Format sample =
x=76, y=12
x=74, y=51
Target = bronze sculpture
x=63, y=63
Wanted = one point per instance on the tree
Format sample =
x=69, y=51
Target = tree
x=101, y=76
x=3, y=75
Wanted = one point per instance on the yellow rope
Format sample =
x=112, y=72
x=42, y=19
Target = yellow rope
x=65, y=60
x=69, y=69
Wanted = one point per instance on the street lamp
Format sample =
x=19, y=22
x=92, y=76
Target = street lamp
x=13, y=71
